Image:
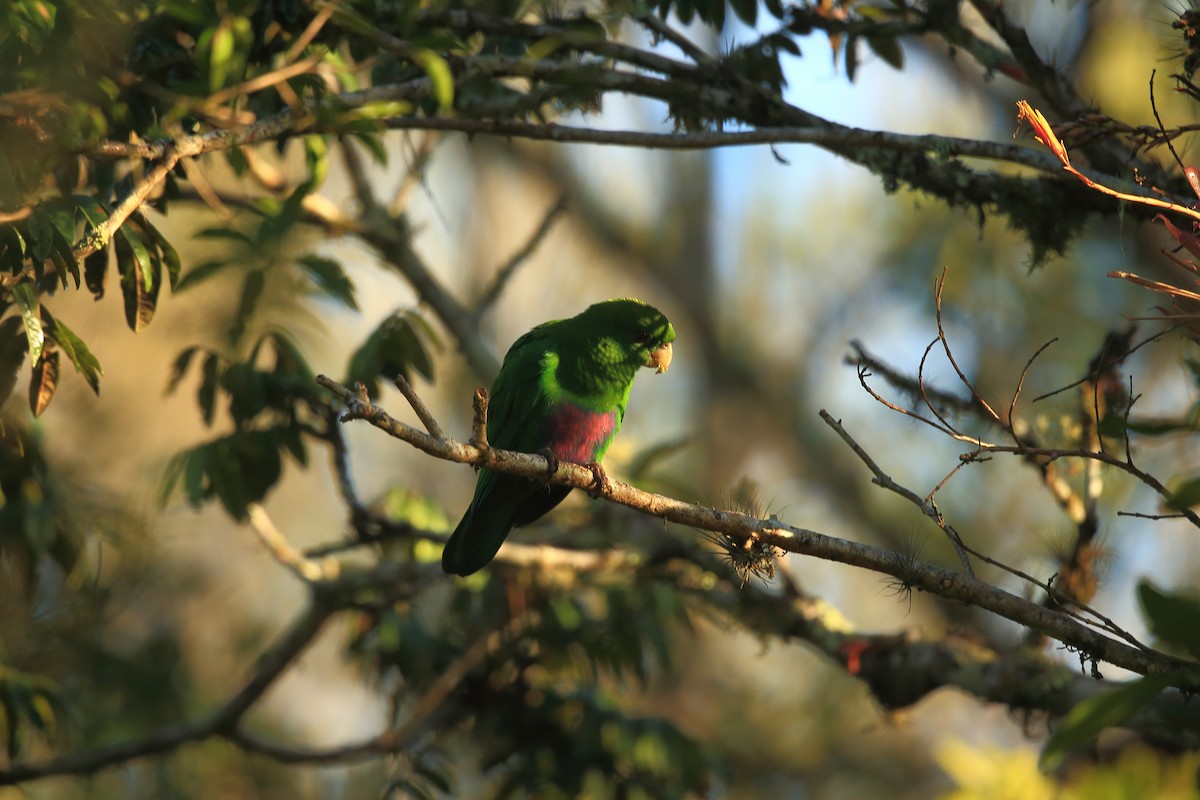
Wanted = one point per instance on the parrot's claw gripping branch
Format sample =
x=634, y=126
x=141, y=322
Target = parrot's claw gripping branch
x=552, y=461
x=600, y=480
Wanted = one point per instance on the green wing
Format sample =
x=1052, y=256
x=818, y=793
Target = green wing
x=518, y=408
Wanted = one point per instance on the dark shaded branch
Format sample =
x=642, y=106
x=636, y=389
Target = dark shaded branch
x=222, y=721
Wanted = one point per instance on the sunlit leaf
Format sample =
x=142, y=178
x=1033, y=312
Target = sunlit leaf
x=141, y=256
x=140, y=301
x=76, y=351
x=166, y=251
x=27, y=302
x=441, y=79
x=44, y=381
x=316, y=157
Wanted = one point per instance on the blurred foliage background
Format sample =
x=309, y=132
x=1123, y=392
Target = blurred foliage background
x=135, y=598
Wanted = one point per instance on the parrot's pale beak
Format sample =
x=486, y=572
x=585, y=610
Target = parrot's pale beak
x=660, y=358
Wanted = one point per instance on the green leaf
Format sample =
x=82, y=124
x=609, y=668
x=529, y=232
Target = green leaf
x=206, y=395
x=140, y=301
x=64, y=259
x=90, y=208
x=330, y=278
x=226, y=46
x=316, y=156
x=888, y=48
x=62, y=217
x=225, y=479
x=27, y=301
x=166, y=251
x=374, y=145
x=179, y=368
x=13, y=346
x=200, y=273
x=41, y=235
x=224, y=233
x=746, y=10
x=220, y=49
x=1173, y=618
x=290, y=437
x=1185, y=495
x=194, y=472
x=241, y=468
x=247, y=392
x=850, y=54
x=95, y=267
x=14, y=244
x=397, y=346
x=252, y=290
x=237, y=160
x=441, y=79
x=85, y=363
x=1087, y=719
x=141, y=255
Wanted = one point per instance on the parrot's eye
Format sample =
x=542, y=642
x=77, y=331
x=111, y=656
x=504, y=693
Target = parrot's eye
x=641, y=338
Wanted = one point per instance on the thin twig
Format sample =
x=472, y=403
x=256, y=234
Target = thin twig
x=666, y=32
x=1012, y=406
x=505, y=272
x=1161, y=127
x=303, y=568
x=1096, y=372
x=939, y=285
x=884, y=480
x=418, y=405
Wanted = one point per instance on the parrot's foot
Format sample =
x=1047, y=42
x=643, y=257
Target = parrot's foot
x=600, y=482
x=551, y=460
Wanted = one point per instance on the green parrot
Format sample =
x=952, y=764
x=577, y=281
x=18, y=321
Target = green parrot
x=561, y=391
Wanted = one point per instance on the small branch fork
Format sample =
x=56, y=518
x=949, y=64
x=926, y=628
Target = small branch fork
x=1042, y=456
x=1080, y=508
x=919, y=575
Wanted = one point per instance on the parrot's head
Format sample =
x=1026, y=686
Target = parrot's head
x=638, y=332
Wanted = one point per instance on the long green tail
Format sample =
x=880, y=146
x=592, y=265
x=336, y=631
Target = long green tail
x=476, y=539
x=501, y=503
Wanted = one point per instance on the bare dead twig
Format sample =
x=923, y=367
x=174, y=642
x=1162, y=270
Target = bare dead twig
x=939, y=285
x=510, y=267
x=419, y=406
x=304, y=568
x=930, y=510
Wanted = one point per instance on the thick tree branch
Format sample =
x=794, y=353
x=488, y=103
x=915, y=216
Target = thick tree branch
x=919, y=575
